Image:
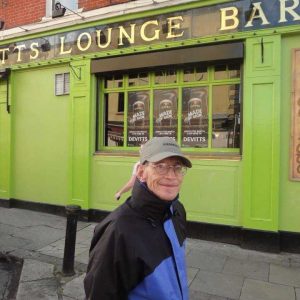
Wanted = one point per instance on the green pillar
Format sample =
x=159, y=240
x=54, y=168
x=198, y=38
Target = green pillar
x=4, y=144
x=261, y=139
x=80, y=143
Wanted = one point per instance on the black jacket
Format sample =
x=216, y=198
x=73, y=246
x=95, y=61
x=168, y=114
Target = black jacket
x=132, y=254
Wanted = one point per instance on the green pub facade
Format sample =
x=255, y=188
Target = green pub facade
x=220, y=77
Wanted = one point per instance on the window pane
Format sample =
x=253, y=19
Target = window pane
x=226, y=116
x=139, y=79
x=165, y=76
x=195, y=117
x=195, y=74
x=138, y=118
x=165, y=113
x=220, y=72
x=234, y=70
x=114, y=81
x=114, y=121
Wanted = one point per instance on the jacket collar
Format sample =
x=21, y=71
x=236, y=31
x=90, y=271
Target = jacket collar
x=148, y=204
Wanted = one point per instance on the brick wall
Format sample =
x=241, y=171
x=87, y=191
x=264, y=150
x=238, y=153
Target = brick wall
x=21, y=12
x=94, y=4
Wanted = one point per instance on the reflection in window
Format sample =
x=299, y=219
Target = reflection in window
x=220, y=72
x=148, y=101
x=234, y=70
x=195, y=74
x=226, y=116
x=165, y=76
x=113, y=81
x=227, y=71
x=165, y=113
x=138, y=79
x=194, y=117
x=114, y=122
x=138, y=118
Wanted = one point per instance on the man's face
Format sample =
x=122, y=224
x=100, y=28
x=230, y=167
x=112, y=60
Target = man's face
x=165, y=186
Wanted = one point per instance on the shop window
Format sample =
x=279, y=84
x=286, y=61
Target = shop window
x=62, y=84
x=114, y=129
x=199, y=106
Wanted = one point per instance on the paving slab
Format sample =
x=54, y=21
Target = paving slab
x=57, y=249
x=83, y=257
x=297, y=294
x=204, y=246
x=277, y=259
x=285, y=275
x=218, y=284
x=75, y=288
x=204, y=261
x=36, y=270
x=229, y=250
x=37, y=281
x=260, y=290
x=45, y=289
x=191, y=272
x=10, y=243
x=246, y=268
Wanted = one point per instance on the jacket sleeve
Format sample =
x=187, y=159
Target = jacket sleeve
x=112, y=270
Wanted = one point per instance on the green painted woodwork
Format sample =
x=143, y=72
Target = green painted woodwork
x=47, y=143
x=4, y=143
x=211, y=189
x=261, y=134
x=150, y=87
x=40, y=138
x=80, y=128
x=289, y=208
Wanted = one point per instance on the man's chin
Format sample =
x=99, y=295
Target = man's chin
x=167, y=196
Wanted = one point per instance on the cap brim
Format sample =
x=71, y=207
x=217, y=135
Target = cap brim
x=163, y=155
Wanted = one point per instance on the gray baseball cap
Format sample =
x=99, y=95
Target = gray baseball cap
x=159, y=148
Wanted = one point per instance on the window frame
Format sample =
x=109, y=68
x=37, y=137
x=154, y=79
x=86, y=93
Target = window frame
x=179, y=85
x=65, y=84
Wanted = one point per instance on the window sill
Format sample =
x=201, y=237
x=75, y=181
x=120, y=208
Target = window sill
x=199, y=156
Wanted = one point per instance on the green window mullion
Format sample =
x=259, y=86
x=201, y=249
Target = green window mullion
x=151, y=95
x=125, y=109
x=210, y=117
x=179, y=114
x=210, y=79
x=101, y=112
x=125, y=117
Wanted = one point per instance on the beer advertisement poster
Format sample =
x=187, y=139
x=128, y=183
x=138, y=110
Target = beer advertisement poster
x=194, y=117
x=138, y=118
x=165, y=113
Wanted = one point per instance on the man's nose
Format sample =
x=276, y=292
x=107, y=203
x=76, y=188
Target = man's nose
x=171, y=172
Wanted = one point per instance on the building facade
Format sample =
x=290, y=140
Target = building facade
x=83, y=85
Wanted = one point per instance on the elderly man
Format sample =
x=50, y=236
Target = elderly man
x=137, y=251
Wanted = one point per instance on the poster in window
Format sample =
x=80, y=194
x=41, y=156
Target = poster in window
x=138, y=118
x=165, y=113
x=194, y=117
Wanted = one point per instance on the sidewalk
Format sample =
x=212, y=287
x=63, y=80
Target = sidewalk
x=216, y=271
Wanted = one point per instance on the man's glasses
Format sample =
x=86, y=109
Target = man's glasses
x=163, y=169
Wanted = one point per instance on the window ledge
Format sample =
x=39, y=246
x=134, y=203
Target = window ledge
x=204, y=156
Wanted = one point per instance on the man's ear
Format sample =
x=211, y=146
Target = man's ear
x=141, y=173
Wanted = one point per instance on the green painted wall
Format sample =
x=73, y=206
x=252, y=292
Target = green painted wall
x=47, y=145
x=211, y=190
x=261, y=119
x=40, y=138
x=4, y=143
x=289, y=207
